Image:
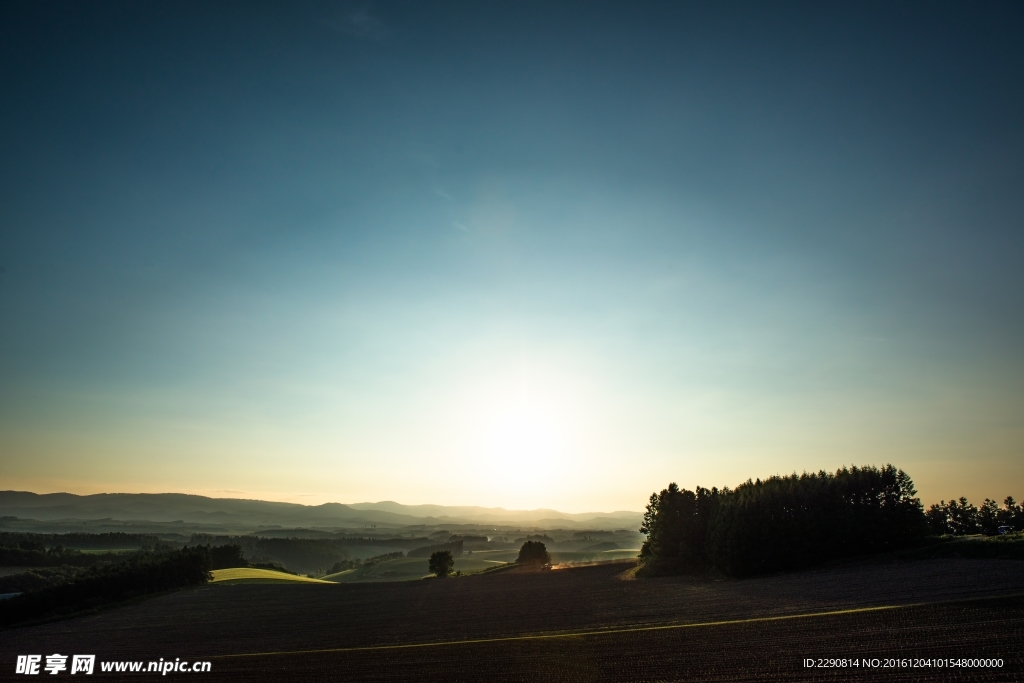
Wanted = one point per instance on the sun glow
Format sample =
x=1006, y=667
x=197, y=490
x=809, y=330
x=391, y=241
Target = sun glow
x=521, y=433
x=524, y=436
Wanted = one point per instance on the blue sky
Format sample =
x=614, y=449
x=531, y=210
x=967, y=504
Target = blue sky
x=515, y=254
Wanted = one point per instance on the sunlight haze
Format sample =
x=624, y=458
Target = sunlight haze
x=508, y=255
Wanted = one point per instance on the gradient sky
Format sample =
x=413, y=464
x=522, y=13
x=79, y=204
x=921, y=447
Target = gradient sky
x=519, y=254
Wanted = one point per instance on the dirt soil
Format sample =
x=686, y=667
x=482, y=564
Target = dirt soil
x=579, y=624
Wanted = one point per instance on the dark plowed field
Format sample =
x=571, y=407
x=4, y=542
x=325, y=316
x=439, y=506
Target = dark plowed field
x=602, y=627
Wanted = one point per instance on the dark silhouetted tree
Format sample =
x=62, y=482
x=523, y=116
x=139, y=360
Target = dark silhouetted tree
x=988, y=517
x=533, y=552
x=441, y=563
x=1011, y=514
x=938, y=519
x=676, y=523
x=962, y=517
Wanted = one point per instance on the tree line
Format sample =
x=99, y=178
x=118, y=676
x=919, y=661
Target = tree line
x=960, y=518
x=102, y=541
x=306, y=555
x=781, y=523
x=35, y=554
x=142, y=573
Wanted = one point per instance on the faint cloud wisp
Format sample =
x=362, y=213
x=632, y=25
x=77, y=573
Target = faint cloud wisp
x=362, y=25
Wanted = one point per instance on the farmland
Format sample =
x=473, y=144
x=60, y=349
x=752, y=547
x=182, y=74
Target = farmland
x=239, y=574
x=408, y=568
x=585, y=623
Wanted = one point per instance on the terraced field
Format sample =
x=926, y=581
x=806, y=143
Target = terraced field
x=579, y=624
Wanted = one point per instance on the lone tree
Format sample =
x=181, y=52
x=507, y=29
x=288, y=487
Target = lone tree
x=441, y=563
x=533, y=552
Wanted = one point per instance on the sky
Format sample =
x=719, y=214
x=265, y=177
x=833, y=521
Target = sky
x=509, y=254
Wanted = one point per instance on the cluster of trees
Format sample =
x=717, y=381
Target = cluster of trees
x=781, y=523
x=959, y=517
x=142, y=573
x=37, y=578
x=542, y=538
x=70, y=589
x=109, y=540
x=222, y=556
x=32, y=553
x=305, y=555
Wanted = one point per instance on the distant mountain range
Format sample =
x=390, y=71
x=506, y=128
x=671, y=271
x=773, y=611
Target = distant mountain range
x=174, y=511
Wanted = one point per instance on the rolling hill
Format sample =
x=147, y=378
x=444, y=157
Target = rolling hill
x=200, y=513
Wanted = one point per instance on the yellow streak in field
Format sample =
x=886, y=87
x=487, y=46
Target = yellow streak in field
x=248, y=574
x=611, y=631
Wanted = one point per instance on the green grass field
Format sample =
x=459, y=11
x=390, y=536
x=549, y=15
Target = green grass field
x=248, y=575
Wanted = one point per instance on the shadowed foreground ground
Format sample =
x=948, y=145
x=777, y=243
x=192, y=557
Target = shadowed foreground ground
x=604, y=627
